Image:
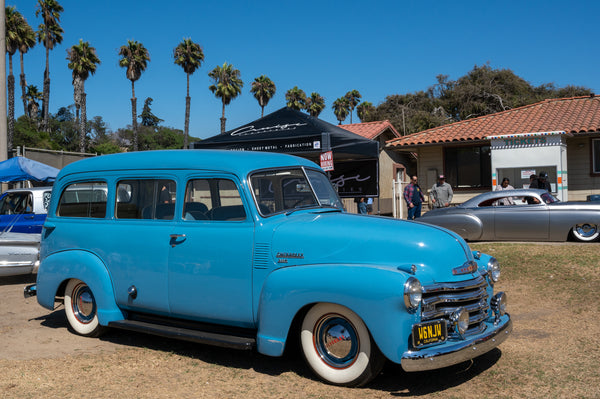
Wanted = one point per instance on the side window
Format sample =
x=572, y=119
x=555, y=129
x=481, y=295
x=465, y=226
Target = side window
x=145, y=199
x=213, y=199
x=15, y=203
x=83, y=200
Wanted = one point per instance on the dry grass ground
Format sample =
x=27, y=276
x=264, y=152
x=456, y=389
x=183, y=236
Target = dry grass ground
x=552, y=353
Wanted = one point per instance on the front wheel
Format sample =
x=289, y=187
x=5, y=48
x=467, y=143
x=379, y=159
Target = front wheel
x=81, y=309
x=338, y=347
x=585, y=232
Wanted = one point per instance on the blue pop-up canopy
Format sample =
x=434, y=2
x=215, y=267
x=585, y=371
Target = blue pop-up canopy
x=20, y=169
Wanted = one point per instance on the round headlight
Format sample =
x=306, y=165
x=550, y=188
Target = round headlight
x=413, y=293
x=493, y=268
x=460, y=320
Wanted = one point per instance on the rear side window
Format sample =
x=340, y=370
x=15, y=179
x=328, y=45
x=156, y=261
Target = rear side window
x=213, y=199
x=83, y=200
x=145, y=199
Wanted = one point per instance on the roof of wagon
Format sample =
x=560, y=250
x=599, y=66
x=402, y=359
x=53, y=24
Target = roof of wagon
x=236, y=162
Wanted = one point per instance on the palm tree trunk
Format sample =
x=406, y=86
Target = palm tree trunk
x=262, y=111
x=23, y=85
x=134, y=117
x=11, y=105
x=223, y=119
x=82, y=121
x=11, y=112
x=46, y=100
x=186, y=129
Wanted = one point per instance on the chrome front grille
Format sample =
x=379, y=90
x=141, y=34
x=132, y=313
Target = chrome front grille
x=442, y=299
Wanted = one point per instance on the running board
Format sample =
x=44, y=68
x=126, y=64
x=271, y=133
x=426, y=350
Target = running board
x=202, y=337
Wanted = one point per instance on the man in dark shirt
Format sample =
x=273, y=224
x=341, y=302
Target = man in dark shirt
x=542, y=182
x=414, y=199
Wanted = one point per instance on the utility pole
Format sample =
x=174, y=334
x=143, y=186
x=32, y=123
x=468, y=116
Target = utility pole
x=3, y=125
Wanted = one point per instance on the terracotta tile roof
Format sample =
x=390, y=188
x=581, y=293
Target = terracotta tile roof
x=371, y=130
x=572, y=115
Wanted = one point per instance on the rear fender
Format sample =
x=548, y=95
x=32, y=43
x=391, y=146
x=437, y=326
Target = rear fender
x=59, y=267
x=374, y=293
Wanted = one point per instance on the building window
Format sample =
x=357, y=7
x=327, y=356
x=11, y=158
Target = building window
x=468, y=167
x=596, y=156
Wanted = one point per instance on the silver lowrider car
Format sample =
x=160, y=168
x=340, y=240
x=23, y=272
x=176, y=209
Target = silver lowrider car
x=523, y=215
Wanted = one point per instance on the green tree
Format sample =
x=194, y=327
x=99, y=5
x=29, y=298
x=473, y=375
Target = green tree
x=49, y=34
x=26, y=42
x=12, y=32
x=227, y=85
x=147, y=117
x=189, y=56
x=83, y=61
x=353, y=97
x=364, y=110
x=33, y=96
x=341, y=108
x=134, y=57
x=315, y=104
x=263, y=89
x=295, y=98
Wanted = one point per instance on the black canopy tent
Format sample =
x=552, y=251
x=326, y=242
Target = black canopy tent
x=355, y=158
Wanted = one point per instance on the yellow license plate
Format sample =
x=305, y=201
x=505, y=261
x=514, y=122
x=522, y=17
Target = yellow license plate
x=429, y=332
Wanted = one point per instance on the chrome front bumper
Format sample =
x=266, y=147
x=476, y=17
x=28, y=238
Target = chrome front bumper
x=451, y=353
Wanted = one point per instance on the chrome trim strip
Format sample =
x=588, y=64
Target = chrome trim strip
x=477, y=282
x=451, y=353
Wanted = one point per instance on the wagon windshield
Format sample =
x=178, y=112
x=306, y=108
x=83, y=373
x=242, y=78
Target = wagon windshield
x=283, y=190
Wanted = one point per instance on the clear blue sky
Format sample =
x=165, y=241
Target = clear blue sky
x=376, y=47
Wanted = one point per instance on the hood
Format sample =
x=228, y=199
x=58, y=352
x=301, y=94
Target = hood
x=342, y=238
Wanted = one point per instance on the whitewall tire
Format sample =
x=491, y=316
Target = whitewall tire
x=81, y=309
x=338, y=346
x=585, y=232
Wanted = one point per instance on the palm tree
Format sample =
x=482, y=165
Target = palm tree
x=263, y=89
x=364, y=110
x=296, y=99
x=353, y=100
x=315, y=104
x=32, y=97
x=134, y=57
x=12, y=26
x=189, y=56
x=227, y=85
x=26, y=42
x=341, y=108
x=50, y=34
x=83, y=61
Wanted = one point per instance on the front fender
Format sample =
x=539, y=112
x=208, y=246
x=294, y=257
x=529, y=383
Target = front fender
x=85, y=266
x=374, y=293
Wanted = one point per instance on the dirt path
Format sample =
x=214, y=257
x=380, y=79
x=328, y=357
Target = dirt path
x=28, y=331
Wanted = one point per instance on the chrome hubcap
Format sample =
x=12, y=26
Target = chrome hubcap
x=83, y=304
x=336, y=341
x=586, y=230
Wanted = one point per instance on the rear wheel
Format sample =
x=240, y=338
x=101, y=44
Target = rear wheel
x=81, y=309
x=338, y=347
x=585, y=232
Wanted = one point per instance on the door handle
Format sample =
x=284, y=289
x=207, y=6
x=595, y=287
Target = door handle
x=177, y=239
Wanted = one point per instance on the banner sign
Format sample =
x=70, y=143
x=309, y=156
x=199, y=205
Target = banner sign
x=327, y=161
x=354, y=179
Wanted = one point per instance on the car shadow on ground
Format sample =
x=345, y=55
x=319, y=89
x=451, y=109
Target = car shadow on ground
x=393, y=378
x=20, y=279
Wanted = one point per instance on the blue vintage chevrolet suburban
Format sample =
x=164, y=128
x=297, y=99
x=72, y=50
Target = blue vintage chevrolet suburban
x=253, y=250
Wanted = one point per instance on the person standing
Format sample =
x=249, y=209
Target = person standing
x=542, y=182
x=362, y=206
x=414, y=199
x=441, y=193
